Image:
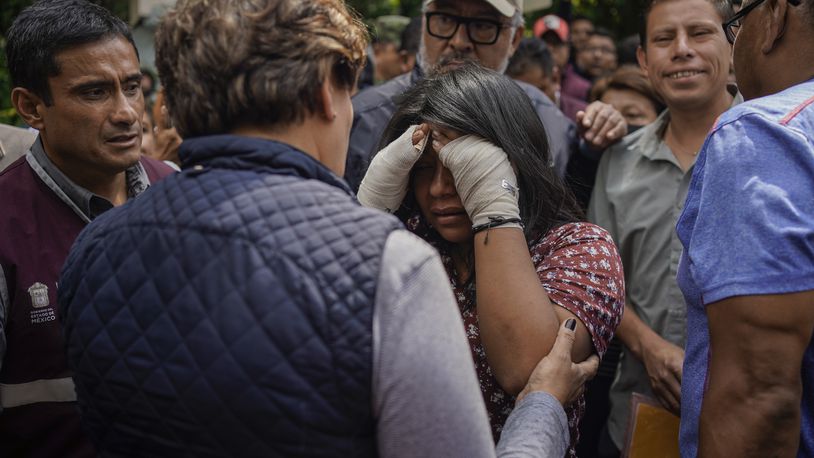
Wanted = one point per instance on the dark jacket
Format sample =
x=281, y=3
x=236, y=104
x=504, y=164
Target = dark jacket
x=39, y=224
x=228, y=311
x=374, y=107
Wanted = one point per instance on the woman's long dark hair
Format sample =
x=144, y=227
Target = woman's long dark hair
x=476, y=101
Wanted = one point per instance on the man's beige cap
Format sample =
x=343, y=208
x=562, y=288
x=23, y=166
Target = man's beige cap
x=504, y=7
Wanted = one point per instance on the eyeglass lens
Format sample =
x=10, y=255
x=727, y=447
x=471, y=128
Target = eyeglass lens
x=445, y=26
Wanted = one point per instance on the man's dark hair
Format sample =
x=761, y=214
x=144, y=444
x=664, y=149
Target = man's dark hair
x=581, y=17
x=530, y=53
x=411, y=36
x=602, y=32
x=723, y=7
x=473, y=100
x=48, y=27
x=626, y=50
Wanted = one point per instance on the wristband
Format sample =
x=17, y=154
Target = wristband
x=496, y=221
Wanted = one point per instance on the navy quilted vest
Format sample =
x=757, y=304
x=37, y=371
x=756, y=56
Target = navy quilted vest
x=228, y=311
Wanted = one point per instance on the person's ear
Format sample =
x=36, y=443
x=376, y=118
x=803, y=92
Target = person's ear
x=641, y=57
x=325, y=108
x=29, y=106
x=406, y=61
x=518, y=37
x=556, y=74
x=775, y=26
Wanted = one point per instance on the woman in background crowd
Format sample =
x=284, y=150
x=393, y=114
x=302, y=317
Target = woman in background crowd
x=629, y=91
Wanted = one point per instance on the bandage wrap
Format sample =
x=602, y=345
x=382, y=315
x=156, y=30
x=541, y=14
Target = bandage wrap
x=385, y=183
x=484, y=179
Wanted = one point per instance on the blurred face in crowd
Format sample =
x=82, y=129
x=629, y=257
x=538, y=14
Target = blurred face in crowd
x=537, y=77
x=434, y=190
x=686, y=56
x=147, y=84
x=147, y=138
x=388, y=62
x=93, y=125
x=637, y=109
x=598, y=56
x=560, y=50
x=440, y=53
x=580, y=30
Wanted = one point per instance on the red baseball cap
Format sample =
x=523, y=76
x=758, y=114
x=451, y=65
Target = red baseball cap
x=552, y=23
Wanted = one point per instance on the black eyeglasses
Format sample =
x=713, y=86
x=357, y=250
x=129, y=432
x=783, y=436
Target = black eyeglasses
x=480, y=31
x=733, y=24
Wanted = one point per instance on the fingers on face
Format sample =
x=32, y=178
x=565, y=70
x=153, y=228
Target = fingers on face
x=439, y=140
x=420, y=137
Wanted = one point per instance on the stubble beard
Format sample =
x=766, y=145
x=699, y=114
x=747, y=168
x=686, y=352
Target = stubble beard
x=444, y=61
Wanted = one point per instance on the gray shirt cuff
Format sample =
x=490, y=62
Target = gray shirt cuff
x=537, y=427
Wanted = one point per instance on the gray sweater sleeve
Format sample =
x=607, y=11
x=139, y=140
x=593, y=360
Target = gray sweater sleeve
x=426, y=398
x=537, y=426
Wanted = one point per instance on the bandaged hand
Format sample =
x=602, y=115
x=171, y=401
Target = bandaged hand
x=484, y=179
x=385, y=183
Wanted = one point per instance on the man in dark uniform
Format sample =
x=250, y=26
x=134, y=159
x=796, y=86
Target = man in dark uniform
x=76, y=79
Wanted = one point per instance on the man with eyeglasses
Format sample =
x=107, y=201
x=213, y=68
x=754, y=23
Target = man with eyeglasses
x=488, y=32
x=747, y=271
x=598, y=57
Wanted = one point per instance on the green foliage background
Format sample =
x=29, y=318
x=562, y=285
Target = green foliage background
x=620, y=16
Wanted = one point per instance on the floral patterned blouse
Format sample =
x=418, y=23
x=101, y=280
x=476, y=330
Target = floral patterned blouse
x=580, y=269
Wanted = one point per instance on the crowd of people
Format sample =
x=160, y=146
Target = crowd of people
x=449, y=235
